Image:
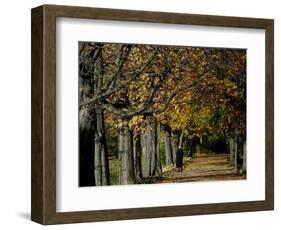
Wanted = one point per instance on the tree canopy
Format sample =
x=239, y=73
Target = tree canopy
x=194, y=91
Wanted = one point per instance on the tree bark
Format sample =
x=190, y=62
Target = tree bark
x=168, y=145
x=86, y=146
x=201, y=140
x=125, y=153
x=181, y=139
x=175, y=143
x=148, y=148
x=101, y=155
x=233, y=146
x=150, y=142
x=158, y=167
x=191, y=148
x=104, y=157
x=87, y=122
x=137, y=156
x=244, y=164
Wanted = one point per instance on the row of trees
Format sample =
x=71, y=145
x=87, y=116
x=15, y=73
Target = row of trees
x=137, y=92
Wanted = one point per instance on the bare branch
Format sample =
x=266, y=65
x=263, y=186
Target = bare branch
x=110, y=90
x=120, y=60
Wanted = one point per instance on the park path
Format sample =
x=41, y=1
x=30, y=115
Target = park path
x=203, y=168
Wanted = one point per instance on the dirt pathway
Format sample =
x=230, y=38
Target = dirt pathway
x=203, y=168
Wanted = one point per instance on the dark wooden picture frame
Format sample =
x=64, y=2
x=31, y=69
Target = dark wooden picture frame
x=43, y=197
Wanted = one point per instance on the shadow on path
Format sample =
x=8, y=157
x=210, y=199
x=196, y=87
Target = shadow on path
x=203, y=168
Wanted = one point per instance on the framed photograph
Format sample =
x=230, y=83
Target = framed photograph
x=140, y=114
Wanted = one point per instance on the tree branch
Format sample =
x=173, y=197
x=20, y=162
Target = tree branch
x=120, y=60
x=110, y=90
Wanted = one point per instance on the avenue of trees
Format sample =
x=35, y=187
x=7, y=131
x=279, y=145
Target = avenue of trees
x=138, y=103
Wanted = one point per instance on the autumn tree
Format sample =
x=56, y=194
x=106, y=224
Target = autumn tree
x=186, y=91
x=216, y=104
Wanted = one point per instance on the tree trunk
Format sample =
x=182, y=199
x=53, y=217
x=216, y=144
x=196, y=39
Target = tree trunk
x=101, y=155
x=148, y=148
x=233, y=152
x=150, y=141
x=87, y=121
x=175, y=143
x=168, y=145
x=104, y=157
x=86, y=146
x=244, y=164
x=181, y=139
x=158, y=166
x=201, y=140
x=137, y=156
x=191, y=148
x=125, y=153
